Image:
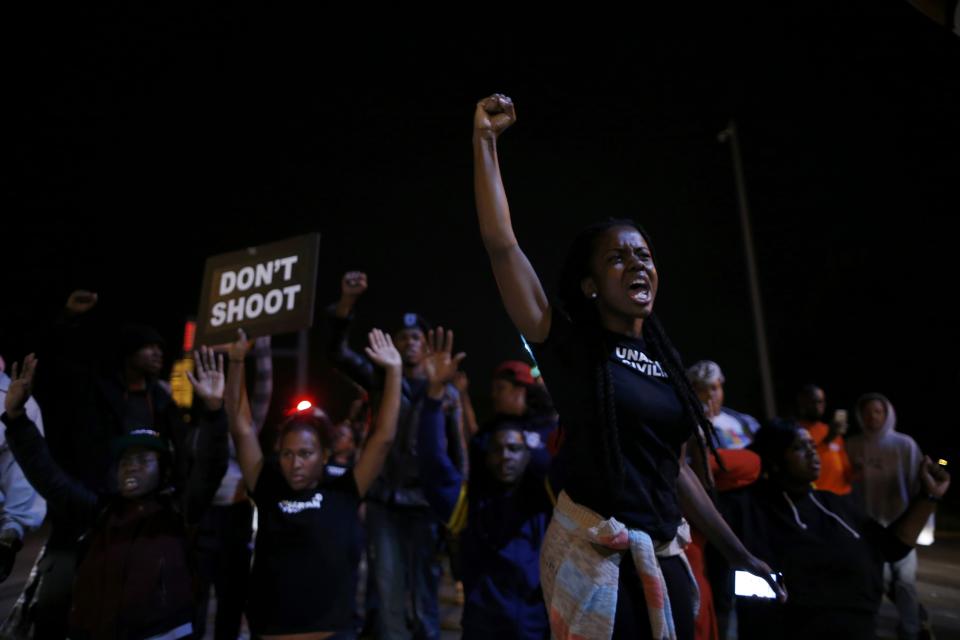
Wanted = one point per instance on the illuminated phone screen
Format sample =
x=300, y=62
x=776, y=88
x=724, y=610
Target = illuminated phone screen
x=749, y=585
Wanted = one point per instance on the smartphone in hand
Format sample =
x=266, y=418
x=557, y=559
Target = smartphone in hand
x=747, y=585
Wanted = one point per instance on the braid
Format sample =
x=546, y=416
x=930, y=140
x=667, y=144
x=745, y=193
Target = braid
x=584, y=316
x=664, y=350
x=610, y=436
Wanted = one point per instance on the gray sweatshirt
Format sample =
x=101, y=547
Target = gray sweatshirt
x=886, y=468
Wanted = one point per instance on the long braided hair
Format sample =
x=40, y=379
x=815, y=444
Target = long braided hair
x=584, y=315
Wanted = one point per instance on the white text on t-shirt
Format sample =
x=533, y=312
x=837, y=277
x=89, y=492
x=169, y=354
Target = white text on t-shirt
x=293, y=506
x=638, y=360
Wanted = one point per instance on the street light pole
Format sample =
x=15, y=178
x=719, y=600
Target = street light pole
x=766, y=373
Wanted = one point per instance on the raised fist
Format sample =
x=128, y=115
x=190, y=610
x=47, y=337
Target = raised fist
x=353, y=285
x=493, y=115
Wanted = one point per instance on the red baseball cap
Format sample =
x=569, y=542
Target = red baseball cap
x=515, y=371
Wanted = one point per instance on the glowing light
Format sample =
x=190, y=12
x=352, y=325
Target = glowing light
x=180, y=386
x=303, y=405
x=189, y=333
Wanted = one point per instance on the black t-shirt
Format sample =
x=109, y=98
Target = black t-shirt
x=137, y=411
x=307, y=551
x=651, y=427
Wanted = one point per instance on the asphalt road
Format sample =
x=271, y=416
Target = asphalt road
x=938, y=584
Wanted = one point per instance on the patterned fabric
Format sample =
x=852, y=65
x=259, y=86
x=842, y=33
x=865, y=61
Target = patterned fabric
x=580, y=571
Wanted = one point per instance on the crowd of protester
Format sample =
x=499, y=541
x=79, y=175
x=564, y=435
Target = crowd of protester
x=608, y=491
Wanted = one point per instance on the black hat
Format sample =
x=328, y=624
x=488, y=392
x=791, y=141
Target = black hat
x=413, y=321
x=135, y=336
x=146, y=438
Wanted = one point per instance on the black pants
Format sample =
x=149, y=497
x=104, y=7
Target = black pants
x=761, y=619
x=632, y=620
x=51, y=610
x=224, y=555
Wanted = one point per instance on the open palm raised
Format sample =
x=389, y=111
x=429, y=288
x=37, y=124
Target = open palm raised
x=441, y=365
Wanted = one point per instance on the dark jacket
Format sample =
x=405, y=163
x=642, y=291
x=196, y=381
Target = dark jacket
x=86, y=406
x=399, y=483
x=500, y=539
x=135, y=576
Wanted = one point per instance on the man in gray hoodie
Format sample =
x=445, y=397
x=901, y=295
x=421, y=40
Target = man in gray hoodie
x=886, y=467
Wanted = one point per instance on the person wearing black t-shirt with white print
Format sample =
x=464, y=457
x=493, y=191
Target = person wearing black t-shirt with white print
x=303, y=581
x=626, y=409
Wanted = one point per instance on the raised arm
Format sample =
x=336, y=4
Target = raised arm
x=382, y=352
x=63, y=492
x=350, y=363
x=442, y=481
x=71, y=347
x=239, y=419
x=262, y=381
x=935, y=481
x=520, y=288
x=208, y=439
x=470, y=424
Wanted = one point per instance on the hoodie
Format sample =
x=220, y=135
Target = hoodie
x=831, y=556
x=886, y=466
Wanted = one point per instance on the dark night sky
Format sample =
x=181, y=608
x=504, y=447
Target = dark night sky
x=143, y=142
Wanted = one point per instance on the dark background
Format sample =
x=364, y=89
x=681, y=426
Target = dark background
x=143, y=140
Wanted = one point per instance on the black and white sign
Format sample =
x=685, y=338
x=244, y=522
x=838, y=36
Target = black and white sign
x=266, y=290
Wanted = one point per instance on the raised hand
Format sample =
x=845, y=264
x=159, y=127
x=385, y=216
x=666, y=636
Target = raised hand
x=239, y=348
x=368, y=467
x=935, y=478
x=80, y=301
x=440, y=365
x=353, y=284
x=208, y=379
x=493, y=115
x=382, y=352
x=21, y=385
